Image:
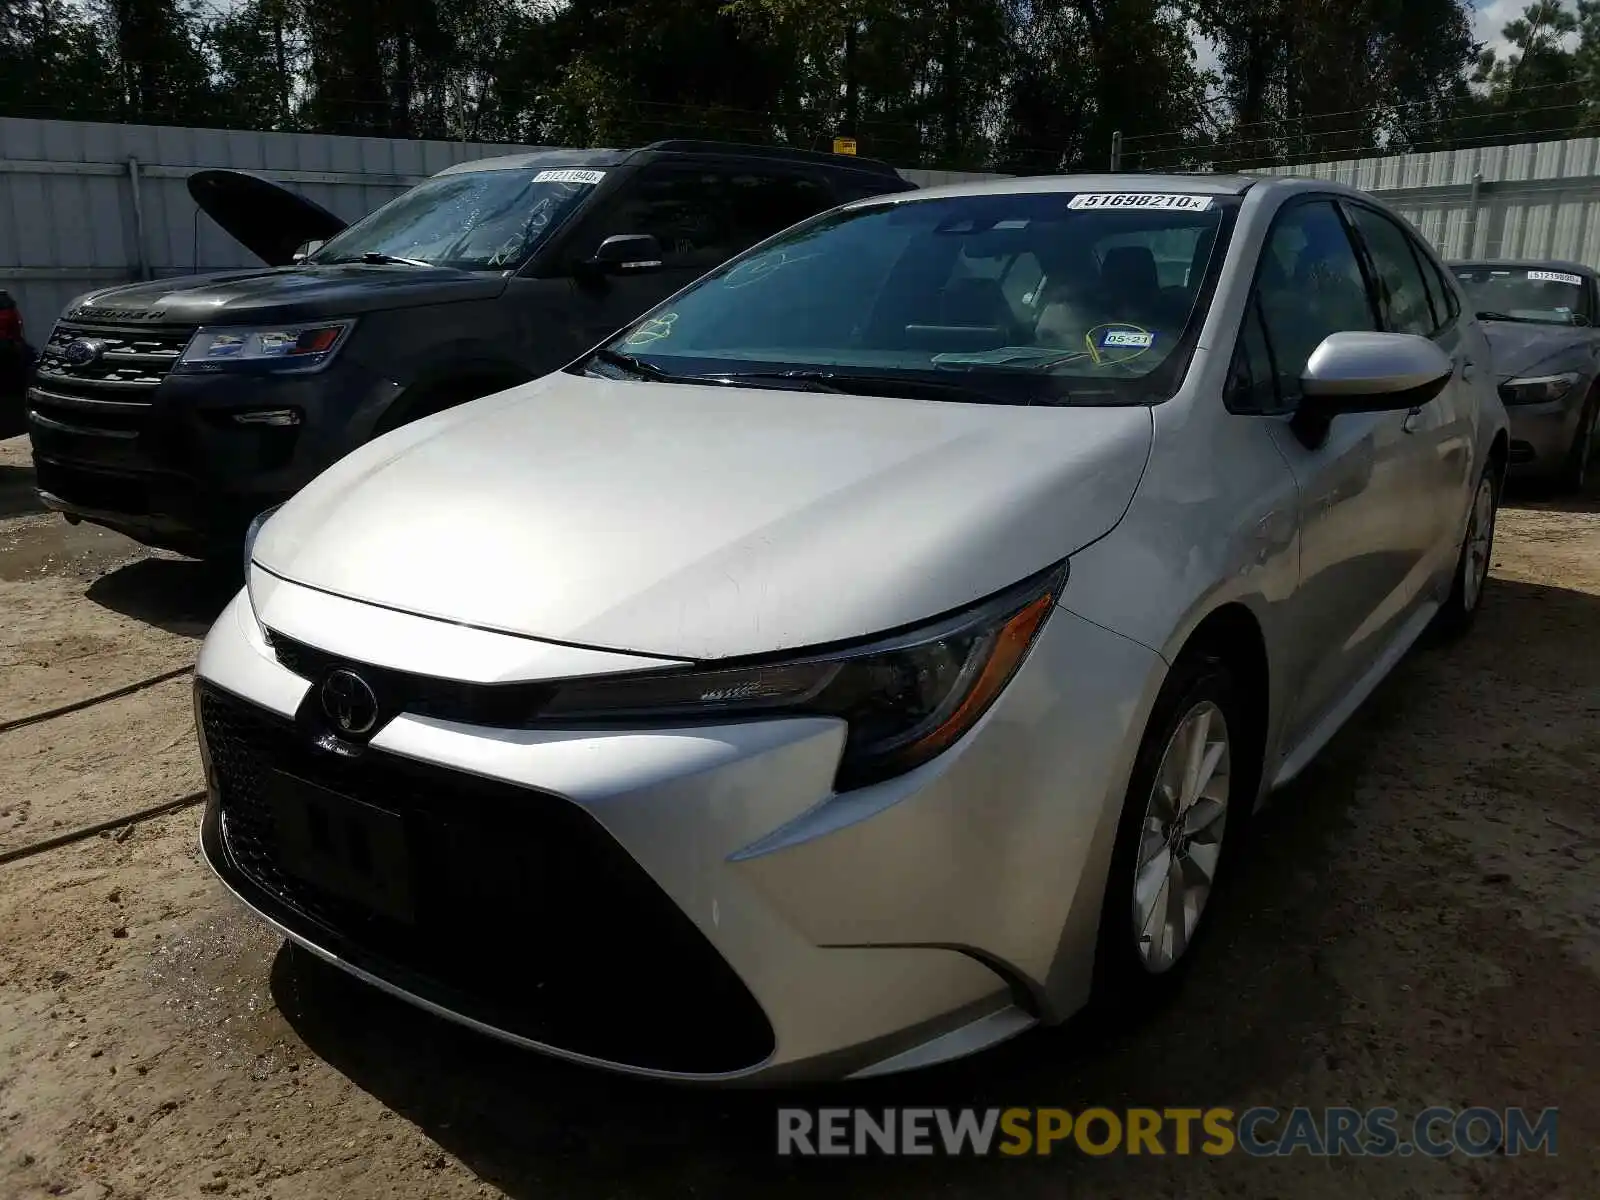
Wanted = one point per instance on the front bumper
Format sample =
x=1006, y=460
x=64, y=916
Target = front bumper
x=182, y=472
x=694, y=903
x=1541, y=436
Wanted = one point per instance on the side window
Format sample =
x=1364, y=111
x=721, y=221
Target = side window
x=762, y=203
x=1308, y=285
x=1402, y=294
x=1252, y=378
x=681, y=206
x=1443, y=287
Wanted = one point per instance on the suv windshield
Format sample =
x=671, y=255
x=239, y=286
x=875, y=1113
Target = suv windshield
x=475, y=221
x=1536, y=295
x=1013, y=298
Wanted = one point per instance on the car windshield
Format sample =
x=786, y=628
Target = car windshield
x=1536, y=295
x=474, y=221
x=1054, y=297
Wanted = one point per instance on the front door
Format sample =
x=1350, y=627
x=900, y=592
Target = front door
x=1367, y=522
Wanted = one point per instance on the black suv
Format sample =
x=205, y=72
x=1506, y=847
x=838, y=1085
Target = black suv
x=176, y=410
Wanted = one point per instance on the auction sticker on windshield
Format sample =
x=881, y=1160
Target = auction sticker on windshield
x=1140, y=200
x=1555, y=277
x=569, y=175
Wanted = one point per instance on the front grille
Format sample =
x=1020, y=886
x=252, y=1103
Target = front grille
x=129, y=364
x=528, y=916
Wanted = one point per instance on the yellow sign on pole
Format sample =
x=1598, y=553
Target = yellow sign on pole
x=844, y=145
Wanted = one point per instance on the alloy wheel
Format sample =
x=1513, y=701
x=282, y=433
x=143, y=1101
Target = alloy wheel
x=1180, y=843
x=1480, y=545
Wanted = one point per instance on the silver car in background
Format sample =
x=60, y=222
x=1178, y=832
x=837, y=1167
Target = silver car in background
x=1543, y=324
x=874, y=651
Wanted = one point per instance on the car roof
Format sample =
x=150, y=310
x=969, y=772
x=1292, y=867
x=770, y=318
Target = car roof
x=1526, y=264
x=556, y=156
x=1195, y=184
x=553, y=156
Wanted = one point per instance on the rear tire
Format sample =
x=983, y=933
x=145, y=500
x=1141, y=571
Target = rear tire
x=1183, y=813
x=1474, y=560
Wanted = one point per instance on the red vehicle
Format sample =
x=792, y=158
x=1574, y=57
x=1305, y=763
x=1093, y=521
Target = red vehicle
x=16, y=366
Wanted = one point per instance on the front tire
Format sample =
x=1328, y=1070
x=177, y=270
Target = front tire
x=1185, y=804
x=1577, y=472
x=1474, y=560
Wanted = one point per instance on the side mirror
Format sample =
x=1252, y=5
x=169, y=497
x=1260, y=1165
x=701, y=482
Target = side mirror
x=1367, y=372
x=627, y=254
x=306, y=250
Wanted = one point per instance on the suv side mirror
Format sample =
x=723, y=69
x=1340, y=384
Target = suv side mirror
x=627, y=254
x=1367, y=372
x=306, y=250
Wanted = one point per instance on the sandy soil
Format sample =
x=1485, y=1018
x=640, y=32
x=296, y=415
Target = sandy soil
x=1418, y=923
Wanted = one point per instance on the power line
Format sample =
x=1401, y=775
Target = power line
x=1398, y=106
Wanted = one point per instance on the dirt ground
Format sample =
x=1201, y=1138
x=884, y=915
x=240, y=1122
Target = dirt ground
x=1417, y=923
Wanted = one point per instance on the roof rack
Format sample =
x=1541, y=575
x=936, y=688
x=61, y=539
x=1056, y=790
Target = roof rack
x=706, y=146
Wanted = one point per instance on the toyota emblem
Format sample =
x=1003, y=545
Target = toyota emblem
x=349, y=702
x=80, y=352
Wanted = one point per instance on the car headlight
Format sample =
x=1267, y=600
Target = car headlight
x=275, y=348
x=254, y=532
x=1538, y=390
x=905, y=697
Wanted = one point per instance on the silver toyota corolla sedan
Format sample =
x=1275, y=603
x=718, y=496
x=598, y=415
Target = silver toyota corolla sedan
x=875, y=650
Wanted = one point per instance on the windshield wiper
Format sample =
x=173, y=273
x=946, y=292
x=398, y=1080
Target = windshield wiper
x=864, y=385
x=378, y=259
x=643, y=370
x=1500, y=316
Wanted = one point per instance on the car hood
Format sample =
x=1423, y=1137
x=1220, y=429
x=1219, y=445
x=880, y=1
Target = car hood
x=1520, y=347
x=706, y=522
x=286, y=294
x=266, y=218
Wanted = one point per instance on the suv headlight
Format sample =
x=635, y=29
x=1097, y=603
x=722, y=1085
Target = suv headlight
x=906, y=697
x=1538, y=389
x=272, y=348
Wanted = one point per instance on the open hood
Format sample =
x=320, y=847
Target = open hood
x=264, y=217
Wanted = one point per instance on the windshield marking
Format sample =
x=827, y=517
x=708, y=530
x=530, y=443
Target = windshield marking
x=1157, y=200
x=1555, y=277
x=569, y=175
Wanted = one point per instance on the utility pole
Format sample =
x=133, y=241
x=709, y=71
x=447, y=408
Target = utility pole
x=1116, y=151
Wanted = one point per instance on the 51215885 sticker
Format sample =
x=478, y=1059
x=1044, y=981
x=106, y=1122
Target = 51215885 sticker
x=1555, y=277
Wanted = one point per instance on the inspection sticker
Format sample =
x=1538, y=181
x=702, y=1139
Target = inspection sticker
x=569, y=175
x=1140, y=200
x=1130, y=339
x=1555, y=277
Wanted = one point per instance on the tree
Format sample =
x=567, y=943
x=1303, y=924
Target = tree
x=160, y=70
x=54, y=63
x=1304, y=80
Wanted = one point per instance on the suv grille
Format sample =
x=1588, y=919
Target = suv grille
x=130, y=365
x=526, y=914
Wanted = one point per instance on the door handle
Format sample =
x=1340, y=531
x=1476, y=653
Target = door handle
x=1469, y=369
x=1409, y=425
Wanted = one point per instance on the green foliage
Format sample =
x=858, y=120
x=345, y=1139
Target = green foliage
x=1025, y=86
